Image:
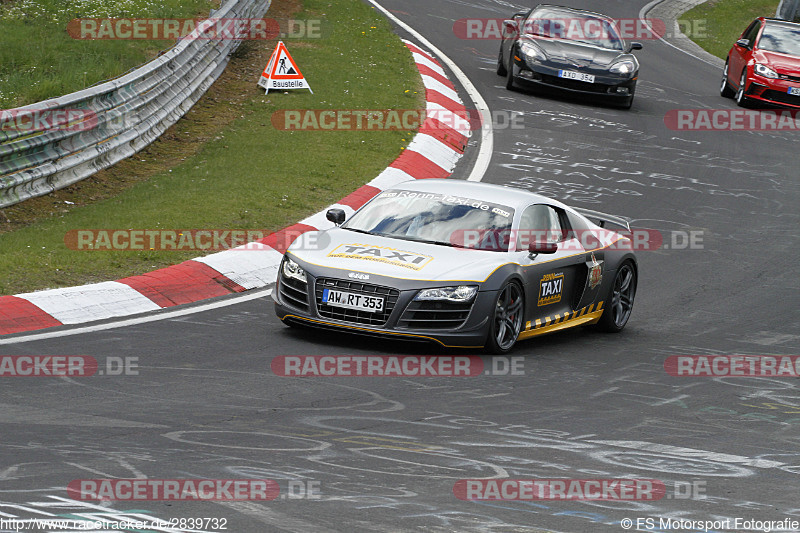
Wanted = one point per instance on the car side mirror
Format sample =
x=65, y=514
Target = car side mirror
x=538, y=247
x=744, y=43
x=636, y=46
x=510, y=27
x=336, y=216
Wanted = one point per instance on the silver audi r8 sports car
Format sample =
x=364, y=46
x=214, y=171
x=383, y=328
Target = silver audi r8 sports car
x=463, y=264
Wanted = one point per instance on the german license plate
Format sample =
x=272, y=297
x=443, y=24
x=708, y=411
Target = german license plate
x=349, y=300
x=794, y=91
x=572, y=75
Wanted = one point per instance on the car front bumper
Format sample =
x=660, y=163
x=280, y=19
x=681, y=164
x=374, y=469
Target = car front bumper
x=405, y=320
x=546, y=78
x=773, y=92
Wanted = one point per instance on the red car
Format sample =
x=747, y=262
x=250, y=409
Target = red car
x=764, y=65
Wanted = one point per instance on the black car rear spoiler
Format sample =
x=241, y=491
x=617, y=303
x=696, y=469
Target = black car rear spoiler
x=603, y=219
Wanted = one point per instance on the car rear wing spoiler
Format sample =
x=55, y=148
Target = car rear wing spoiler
x=603, y=218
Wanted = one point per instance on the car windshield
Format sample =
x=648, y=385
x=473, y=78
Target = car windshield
x=585, y=29
x=781, y=39
x=434, y=218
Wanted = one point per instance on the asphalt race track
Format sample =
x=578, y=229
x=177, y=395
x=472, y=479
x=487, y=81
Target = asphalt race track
x=383, y=454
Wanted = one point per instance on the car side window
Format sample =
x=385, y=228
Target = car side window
x=539, y=222
x=752, y=32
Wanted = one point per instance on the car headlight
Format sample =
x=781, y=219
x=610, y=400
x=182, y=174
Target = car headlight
x=461, y=294
x=293, y=270
x=532, y=52
x=765, y=71
x=623, y=67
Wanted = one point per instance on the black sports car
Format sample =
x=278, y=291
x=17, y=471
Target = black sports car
x=568, y=50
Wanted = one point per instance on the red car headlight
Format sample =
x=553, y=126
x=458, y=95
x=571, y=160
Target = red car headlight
x=765, y=71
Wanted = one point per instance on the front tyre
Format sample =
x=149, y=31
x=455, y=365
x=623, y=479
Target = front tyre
x=510, y=74
x=741, y=95
x=507, y=319
x=501, y=69
x=619, y=302
x=725, y=89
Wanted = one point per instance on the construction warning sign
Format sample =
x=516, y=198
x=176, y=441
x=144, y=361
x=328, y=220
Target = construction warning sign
x=282, y=72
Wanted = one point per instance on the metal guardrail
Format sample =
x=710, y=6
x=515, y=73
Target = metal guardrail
x=126, y=114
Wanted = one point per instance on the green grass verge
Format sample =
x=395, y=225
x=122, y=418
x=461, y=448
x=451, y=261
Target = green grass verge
x=39, y=59
x=251, y=176
x=724, y=21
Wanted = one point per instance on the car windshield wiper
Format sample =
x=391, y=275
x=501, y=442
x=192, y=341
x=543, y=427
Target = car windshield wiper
x=361, y=231
x=428, y=241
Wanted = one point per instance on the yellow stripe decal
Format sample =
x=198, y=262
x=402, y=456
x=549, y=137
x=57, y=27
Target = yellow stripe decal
x=558, y=321
x=589, y=318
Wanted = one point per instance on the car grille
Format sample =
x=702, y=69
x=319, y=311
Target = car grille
x=435, y=315
x=789, y=77
x=353, y=315
x=294, y=292
x=575, y=84
x=781, y=97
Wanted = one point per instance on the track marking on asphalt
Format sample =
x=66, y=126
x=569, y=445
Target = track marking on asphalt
x=642, y=14
x=251, y=295
x=487, y=131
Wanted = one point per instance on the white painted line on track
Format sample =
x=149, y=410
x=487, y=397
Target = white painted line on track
x=426, y=60
x=487, y=131
x=251, y=266
x=104, y=300
x=235, y=300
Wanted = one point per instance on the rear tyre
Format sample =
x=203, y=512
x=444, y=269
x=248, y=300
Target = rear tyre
x=507, y=319
x=725, y=88
x=619, y=302
x=501, y=70
x=741, y=99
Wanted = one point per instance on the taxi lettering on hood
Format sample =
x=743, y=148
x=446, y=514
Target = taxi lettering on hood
x=382, y=254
